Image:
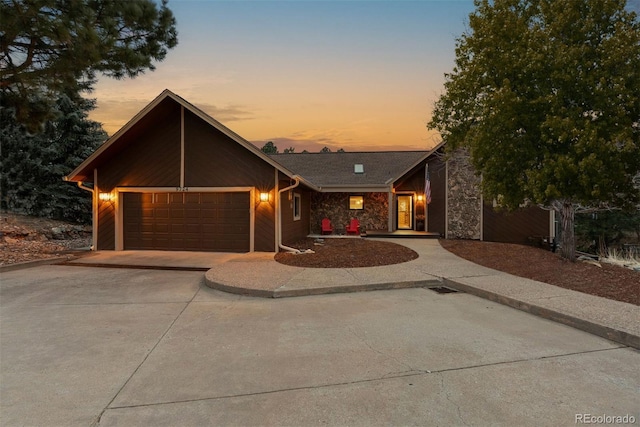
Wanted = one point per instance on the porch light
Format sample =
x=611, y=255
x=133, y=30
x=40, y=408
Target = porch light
x=105, y=197
x=264, y=197
x=420, y=197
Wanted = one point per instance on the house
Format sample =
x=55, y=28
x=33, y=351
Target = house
x=174, y=178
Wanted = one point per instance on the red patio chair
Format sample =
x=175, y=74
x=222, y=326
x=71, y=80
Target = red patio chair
x=326, y=226
x=353, y=227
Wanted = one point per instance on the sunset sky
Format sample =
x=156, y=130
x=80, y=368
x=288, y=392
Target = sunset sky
x=358, y=75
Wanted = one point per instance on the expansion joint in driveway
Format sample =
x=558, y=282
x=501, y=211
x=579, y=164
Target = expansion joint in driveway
x=144, y=359
x=385, y=377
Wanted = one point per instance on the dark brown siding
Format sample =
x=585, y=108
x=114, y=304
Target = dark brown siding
x=150, y=153
x=107, y=227
x=514, y=227
x=293, y=231
x=187, y=221
x=437, y=208
x=214, y=160
x=264, y=231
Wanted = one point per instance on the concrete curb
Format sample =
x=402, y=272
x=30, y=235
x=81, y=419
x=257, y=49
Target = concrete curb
x=36, y=263
x=289, y=293
x=611, y=334
x=133, y=266
x=46, y=261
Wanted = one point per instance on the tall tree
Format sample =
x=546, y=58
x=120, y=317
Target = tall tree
x=546, y=96
x=32, y=165
x=48, y=48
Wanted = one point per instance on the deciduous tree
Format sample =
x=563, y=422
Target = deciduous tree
x=546, y=96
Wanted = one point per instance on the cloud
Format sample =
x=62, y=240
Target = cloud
x=230, y=113
x=115, y=113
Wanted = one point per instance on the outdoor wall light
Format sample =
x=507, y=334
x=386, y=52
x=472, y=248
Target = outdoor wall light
x=104, y=197
x=420, y=197
x=264, y=197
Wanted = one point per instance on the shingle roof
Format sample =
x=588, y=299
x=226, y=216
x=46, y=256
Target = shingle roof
x=337, y=169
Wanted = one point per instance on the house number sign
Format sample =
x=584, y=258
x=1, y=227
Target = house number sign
x=182, y=188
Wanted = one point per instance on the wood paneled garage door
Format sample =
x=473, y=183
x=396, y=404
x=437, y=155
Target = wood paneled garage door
x=217, y=222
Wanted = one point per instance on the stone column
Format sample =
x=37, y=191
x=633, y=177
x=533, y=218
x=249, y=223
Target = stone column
x=463, y=199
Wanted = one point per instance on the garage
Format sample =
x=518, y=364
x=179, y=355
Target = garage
x=186, y=221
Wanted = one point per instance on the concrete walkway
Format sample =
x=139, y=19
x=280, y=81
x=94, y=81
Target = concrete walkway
x=257, y=274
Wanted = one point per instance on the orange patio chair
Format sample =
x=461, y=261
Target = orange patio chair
x=353, y=227
x=326, y=226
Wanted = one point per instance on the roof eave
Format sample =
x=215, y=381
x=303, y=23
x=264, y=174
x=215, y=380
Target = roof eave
x=345, y=188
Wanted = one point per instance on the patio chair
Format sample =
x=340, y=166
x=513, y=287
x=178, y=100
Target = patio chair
x=326, y=226
x=353, y=227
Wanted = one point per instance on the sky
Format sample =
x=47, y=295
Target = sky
x=358, y=75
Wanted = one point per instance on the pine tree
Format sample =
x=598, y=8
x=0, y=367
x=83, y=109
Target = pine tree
x=49, y=48
x=32, y=165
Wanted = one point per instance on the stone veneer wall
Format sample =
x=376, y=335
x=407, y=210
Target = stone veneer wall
x=335, y=206
x=463, y=198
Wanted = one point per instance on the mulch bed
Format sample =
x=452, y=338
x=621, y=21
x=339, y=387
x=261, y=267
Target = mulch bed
x=346, y=253
x=608, y=281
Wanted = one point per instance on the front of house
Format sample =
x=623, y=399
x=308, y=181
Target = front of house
x=174, y=178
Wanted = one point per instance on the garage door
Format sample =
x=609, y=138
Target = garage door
x=217, y=222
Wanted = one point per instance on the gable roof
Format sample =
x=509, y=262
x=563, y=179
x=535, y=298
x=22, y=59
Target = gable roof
x=335, y=171
x=84, y=172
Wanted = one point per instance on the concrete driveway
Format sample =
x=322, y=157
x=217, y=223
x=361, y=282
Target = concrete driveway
x=87, y=346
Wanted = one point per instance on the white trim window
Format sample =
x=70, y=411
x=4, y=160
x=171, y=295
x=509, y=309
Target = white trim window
x=297, y=206
x=356, y=202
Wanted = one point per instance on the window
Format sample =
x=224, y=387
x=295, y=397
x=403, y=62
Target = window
x=356, y=202
x=297, y=203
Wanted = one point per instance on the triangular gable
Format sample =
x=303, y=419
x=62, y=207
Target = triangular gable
x=409, y=169
x=84, y=171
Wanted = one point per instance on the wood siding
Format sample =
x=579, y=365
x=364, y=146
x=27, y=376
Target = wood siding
x=107, y=227
x=214, y=160
x=514, y=227
x=436, y=210
x=149, y=154
x=295, y=230
x=265, y=219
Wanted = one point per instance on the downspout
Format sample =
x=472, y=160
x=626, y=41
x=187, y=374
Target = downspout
x=280, y=245
x=81, y=185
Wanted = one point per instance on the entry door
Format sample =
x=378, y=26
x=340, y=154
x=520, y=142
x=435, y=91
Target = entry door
x=405, y=212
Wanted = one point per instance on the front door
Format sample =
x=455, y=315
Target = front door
x=405, y=212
